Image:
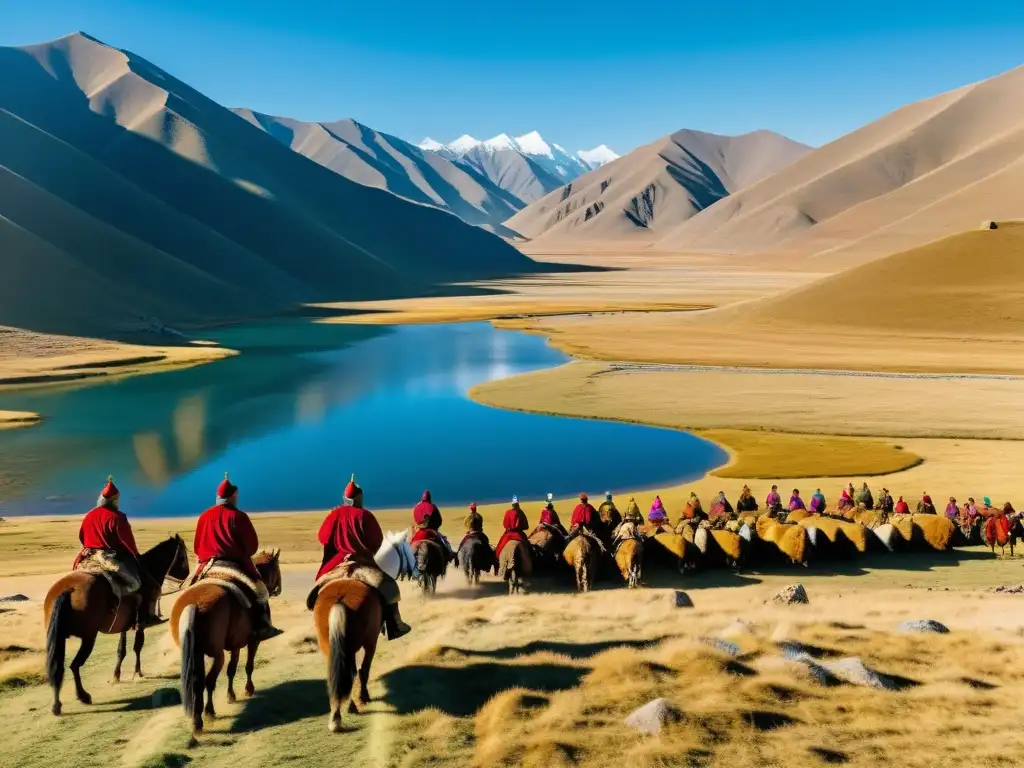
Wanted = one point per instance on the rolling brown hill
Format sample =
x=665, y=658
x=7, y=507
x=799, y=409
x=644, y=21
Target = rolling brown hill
x=931, y=169
x=129, y=200
x=654, y=188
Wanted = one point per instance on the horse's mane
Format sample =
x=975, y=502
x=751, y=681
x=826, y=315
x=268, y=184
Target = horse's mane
x=265, y=557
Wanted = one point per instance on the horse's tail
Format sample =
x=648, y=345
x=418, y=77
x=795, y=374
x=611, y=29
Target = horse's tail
x=191, y=663
x=56, y=636
x=341, y=666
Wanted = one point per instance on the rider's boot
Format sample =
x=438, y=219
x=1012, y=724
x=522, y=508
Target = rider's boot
x=393, y=623
x=148, y=613
x=262, y=628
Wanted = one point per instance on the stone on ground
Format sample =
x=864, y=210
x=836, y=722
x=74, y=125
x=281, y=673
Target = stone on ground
x=926, y=626
x=724, y=646
x=166, y=697
x=794, y=594
x=14, y=599
x=682, y=600
x=1008, y=590
x=652, y=716
x=739, y=628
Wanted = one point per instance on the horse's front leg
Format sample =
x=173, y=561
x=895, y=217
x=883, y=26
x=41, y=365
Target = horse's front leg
x=250, y=664
x=76, y=665
x=364, y=670
x=140, y=640
x=232, y=669
x=122, y=651
x=211, y=682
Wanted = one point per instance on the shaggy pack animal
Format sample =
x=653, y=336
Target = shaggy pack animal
x=676, y=549
x=889, y=536
x=799, y=514
x=926, y=531
x=723, y=547
x=846, y=537
x=788, y=539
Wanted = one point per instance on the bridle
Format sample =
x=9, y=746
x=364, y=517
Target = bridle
x=168, y=578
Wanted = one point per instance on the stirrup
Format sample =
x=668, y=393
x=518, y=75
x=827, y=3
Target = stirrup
x=396, y=629
x=266, y=632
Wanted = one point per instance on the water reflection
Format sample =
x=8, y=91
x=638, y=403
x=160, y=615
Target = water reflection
x=304, y=406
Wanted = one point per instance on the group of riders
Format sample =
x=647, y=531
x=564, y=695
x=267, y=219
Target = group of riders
x=351, y=536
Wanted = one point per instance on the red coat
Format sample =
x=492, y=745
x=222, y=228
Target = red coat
x=226, y=533
x=584, y=515
x=515, y=524
x=349, y=533
x=425, y=534
x=106, y=528
x=902, y=508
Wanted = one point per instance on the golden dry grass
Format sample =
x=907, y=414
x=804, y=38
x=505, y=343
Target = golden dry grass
x=775, y=455
x=16, y=419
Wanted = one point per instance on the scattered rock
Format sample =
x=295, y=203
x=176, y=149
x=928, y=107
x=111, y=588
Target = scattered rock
x=682, y=600
x=854, y=671
x=927, y=626
x=1010, y=590
x=166, y=697
x=652, y=716
x=792, y=595
x=14, y=599
x=989, y=225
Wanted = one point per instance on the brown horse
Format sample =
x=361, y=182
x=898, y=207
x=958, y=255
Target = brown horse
x=83, y=604
x=582, y=555
x=629, y=556
x=348, y=618
x=515, y=565
x=206, y=621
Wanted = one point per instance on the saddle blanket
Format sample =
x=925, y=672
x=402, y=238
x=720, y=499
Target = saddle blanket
x=231, y=577
x=371, y=577
x=122, y=574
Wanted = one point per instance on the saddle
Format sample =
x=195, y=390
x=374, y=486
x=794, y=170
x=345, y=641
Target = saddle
x=353, y=571
x=231, y=577
x=121, y=573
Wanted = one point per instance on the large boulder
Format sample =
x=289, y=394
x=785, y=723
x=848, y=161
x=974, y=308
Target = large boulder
x=924, y=626
x=794, y=594
x=681, y=600
x=652, y=716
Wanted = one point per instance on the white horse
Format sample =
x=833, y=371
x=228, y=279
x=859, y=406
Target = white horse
x=395, y=556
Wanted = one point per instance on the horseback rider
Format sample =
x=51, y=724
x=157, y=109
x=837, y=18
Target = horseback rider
x=351, y=536
x=721, y=509
x=609, y=513
x=693, y=510
x=773, y=502
x=585, y=521
x=925, y=506
x=885, y=502
x=225, y=533
x=474, y=524
x=864, y=498
x=549, y=519
x=818, y=503
x=515, y=525
x=746, y=502
x=426, y=518
x=106, y=533
x=633, y=514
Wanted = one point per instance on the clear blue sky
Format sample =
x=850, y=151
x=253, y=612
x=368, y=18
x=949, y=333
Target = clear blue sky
x=582, y=73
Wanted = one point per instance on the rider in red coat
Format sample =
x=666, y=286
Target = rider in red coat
x=224, y=532
x=352, y=534
x=515, y=525
x=585, y=518
x=106, y=528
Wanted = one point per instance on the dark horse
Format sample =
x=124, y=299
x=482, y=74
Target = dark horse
x=475, y=556
x=206, y=621
x=83, y=604
x=547, y=545
x=432, y=563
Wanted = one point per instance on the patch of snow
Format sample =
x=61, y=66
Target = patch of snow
x=463, y=144
x=500, y=142
x=532, y=144
x=430, y=145
x=597, y=156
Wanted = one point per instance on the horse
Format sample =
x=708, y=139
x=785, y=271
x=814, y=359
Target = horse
x=475, y=556
x=83, y=604
x=348, y=617
x=515, y=565
x=207, y=620
x=1000, y=530
x=582, y=554
x=546, y=544
x=629, y=554
x=431, y=563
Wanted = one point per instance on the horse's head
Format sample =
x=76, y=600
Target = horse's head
x=269, y=566
x=179, y=569
x=168, y=559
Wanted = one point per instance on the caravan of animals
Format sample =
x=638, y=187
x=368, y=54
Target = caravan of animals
x=225, y=606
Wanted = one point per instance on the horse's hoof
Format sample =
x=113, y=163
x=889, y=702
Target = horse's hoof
x=193, y=742
x=334, y=723
x=250, y=689
x=85, y=698
x=353, y=708
x=210, y=713
x=231, y=697
x=55, y=709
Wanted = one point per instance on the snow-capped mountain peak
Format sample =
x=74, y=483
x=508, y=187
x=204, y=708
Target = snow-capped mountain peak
x=429, y=145
x=532, y=144
x=463, y=144
x=500, y=142
x=598, y=156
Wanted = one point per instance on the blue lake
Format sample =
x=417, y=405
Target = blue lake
x=307, y=404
